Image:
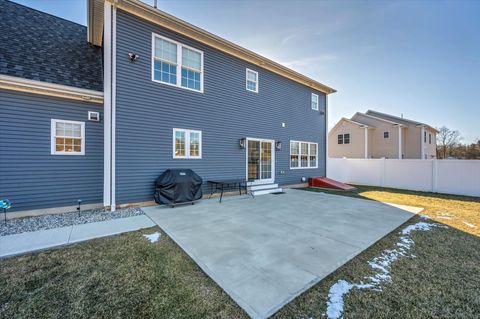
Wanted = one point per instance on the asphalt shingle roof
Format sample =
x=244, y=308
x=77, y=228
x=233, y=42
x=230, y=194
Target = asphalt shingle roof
x=38, y=46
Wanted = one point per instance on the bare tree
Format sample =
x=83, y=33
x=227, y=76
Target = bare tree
x=447, y=139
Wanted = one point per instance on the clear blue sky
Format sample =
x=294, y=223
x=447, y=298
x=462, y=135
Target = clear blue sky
x=419, y=58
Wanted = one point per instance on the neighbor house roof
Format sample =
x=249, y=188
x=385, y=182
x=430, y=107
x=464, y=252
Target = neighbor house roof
x=149, y=13
x=398, y=119
x=374, y=117
x=41, y=47
x=344, y=119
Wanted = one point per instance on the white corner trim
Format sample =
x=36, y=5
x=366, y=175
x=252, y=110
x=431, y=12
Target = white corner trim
x=14, y=83
x=114, y=109
x=399, y=142
x=107, y=129
x=422, y=136
x=366, y=141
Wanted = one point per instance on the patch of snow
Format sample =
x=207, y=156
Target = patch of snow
x=153, y=237
x=424, y=217
x=470, y=225
x=382, y=264
x=443, y=217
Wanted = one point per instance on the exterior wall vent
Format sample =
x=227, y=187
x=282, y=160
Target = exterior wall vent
x=94, y=116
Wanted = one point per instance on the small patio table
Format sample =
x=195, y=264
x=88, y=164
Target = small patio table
x=222, y=185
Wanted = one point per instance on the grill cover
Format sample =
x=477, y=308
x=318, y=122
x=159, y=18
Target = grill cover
x=178, y=186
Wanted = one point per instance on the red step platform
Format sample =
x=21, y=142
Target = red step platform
x=324, y=182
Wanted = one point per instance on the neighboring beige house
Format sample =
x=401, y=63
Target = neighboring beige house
x=376, y=135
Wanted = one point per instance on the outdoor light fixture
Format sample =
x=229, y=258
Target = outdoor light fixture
x=242, y=142
x=304, y=179
x=322, y=112
x=79, y=206
x=133, y=56
x=278, y=145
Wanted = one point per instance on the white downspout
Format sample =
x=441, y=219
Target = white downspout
x=366, y=141
x=422, y=133
x=114, y=105
x=107, y=129
x=326, y=134
x=399, y=142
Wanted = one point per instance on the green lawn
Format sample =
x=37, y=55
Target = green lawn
x=126, y=276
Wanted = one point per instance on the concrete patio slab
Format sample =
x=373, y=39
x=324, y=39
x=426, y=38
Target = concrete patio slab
x=266, y=251
x=43, y=239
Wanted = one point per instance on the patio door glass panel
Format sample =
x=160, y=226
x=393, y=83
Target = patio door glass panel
x=266, y=160
x=260, y=160
x=253, y=160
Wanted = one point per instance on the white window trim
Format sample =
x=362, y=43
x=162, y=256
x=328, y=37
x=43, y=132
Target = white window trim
x=53, y=149
x=178, y=64
x=246, y=80
x=187, y=144
x=311, y=101
x=299, y=154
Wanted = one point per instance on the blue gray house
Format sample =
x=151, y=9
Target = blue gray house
x=97, y=113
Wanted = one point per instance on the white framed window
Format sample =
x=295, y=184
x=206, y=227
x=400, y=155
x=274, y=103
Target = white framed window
x=252, y=81
x=67, y=137
x=344, y=138
x=303, y=155
x=314, y=101
x=386, y=134
x=176, y=64
x=187, y=143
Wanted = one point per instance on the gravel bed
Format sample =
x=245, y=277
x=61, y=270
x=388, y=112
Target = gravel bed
x=29, y=224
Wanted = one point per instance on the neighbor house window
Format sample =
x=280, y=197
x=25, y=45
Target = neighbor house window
x=314, y=102
x=344, y=138
x=68, y=137
x=429, y=138
x=187, y=143
x=425, y=137
x=386, y=134
x=252, y=81
x=303, y=154
x=176, y=64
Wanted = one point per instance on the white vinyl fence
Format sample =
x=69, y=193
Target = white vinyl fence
x=461, y=177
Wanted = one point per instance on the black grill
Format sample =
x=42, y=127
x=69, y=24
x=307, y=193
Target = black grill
x=177, y=186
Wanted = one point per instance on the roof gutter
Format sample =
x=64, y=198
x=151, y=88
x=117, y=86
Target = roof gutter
x=14, y=83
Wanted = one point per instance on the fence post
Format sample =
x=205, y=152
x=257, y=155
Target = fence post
x=434, y=175
x=384, y=173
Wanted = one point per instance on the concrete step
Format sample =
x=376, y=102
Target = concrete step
x=262, y=186
x=267, y=191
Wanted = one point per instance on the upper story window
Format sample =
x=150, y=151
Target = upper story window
x=314, y=102
x=386, y=134
x=252, y=81
x=67, y=137
x=187, y=143
x=344, y=138
x=176, y=64
x=425, y=137
x=303, y=155
x=429, y=138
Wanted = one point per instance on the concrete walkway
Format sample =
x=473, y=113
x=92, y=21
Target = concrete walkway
x=266, y=251
x=33, y=241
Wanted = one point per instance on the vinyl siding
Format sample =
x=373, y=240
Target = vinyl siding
x=31, y=177
x=146, y=113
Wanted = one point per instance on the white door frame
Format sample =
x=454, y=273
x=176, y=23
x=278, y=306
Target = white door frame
x=260, y=181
